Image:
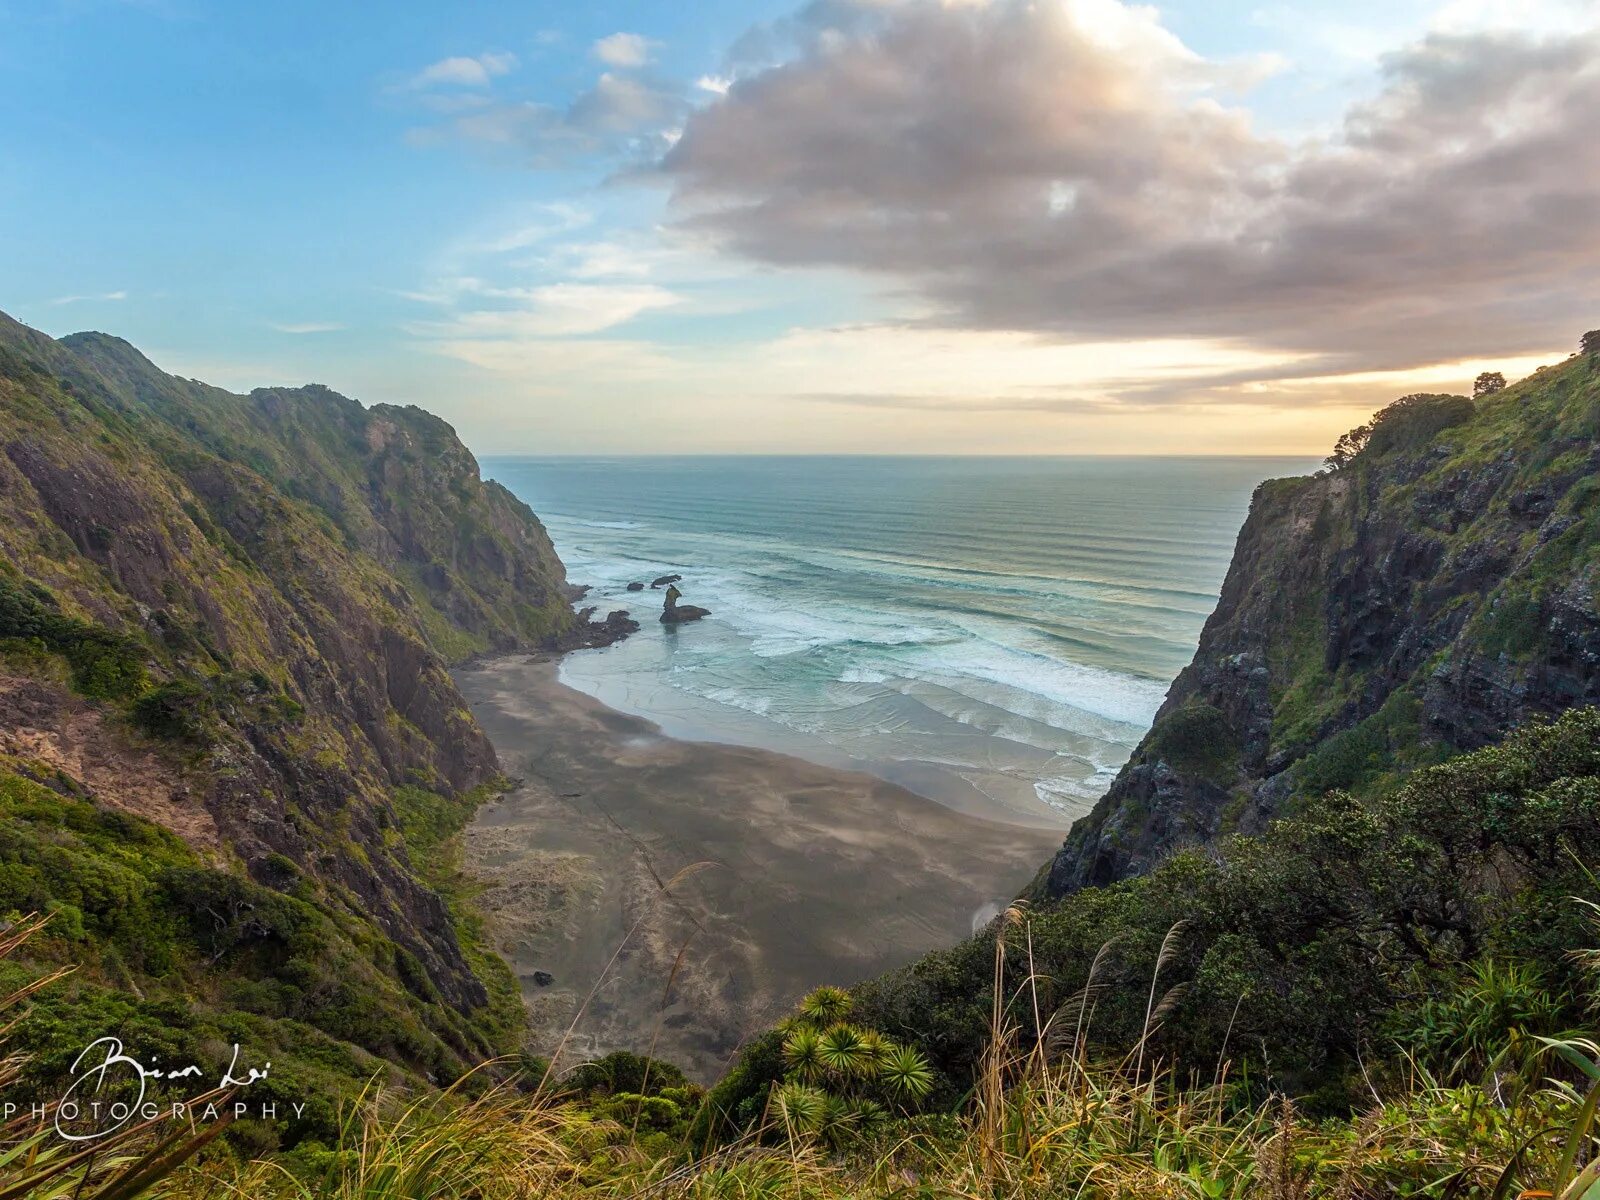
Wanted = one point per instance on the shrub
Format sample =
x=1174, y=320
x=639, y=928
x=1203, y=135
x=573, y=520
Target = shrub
x=1301, y=944
x=623, y=1071
x=104, y=665
x=1198, y=740
x=179, y=711
x=1414, y=422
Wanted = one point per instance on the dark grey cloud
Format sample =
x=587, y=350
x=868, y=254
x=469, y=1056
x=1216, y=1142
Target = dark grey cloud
x=1070, y=168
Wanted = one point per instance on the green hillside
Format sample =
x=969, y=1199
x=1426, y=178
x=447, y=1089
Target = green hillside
x=232, y=757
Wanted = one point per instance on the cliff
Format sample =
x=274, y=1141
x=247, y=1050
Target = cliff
x=226, y=624
x=1432, y=592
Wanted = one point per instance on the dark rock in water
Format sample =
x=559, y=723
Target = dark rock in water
x=674, y=614
x=665, y=580
x=618, y=619
x=636, y=586
x=680, y=614
x=591, y=633
x=543, y=978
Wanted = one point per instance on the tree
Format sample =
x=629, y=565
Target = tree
x=1413, y=422
x=1348, y=446
x=1488, y=384
x=1589, y=345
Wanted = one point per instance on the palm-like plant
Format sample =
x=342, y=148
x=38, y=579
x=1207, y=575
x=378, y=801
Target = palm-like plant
x=826, y=1006
x=876, y=1047
x=802, y=1053
x=838, y=1118
x=906, y=1074
x=869, y=1117
x=800, y=1108
x=845, y=1054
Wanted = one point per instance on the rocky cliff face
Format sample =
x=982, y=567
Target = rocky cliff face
x=1434, y=592
x=284, y=578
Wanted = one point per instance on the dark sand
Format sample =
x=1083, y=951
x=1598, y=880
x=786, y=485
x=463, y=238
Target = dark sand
x=817, y=875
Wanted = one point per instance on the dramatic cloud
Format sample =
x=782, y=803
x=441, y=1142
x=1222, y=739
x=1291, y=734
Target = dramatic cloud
x=623, y=50
x=464, y=71
x=1071, y=168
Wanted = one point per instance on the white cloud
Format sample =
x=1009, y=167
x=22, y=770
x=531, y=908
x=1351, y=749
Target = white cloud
x=550, y=310
x=623, y=50
x=118, y=295
x=299, y=327
x=618, y=116
x=604, y=260
x=465, y=71
x=551, y=220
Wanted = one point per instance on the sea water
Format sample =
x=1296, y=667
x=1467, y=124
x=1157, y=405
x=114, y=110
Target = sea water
x=996, y=633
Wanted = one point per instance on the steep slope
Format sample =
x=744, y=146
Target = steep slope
x=1431, y=593
x=232, y=616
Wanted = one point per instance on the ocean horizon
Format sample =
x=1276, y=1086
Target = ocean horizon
x=993, y=632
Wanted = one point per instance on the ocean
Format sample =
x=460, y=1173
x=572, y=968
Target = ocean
x=995, y=633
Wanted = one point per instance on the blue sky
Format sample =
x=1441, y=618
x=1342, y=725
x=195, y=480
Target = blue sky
x=723, y=227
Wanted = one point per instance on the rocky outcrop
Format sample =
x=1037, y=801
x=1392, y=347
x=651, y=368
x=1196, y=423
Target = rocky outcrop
x=665, y=580
x=682, y=614
x=673, y=613
x=589, y=634
x=1425, y=598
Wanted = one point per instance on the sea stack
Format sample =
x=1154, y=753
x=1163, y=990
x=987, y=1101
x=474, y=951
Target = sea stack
x=673, y=613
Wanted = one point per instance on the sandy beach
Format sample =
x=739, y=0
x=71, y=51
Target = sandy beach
x=705, y=887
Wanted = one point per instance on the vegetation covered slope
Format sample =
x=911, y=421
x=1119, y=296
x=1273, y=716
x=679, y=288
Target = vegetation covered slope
x=231, y=752
x=1381, y=999
x=1419, y=599
x=1309, y=876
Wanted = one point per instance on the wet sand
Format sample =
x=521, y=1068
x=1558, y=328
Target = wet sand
x=788, y=874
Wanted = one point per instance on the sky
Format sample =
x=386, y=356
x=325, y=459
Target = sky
x=844, y=226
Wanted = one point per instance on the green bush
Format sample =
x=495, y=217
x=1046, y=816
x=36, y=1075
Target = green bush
x=1414, y=422
x=1197, y=740
x=621, y=1072
x=104, y=665
x=179, y=711
x=1297, y=951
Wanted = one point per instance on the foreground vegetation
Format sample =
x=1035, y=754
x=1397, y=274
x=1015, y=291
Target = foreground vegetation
x=1376, y=997
x=1045, y=1119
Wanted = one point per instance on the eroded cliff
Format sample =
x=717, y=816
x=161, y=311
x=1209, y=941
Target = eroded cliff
x=1433, y=592
x=233, y=616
